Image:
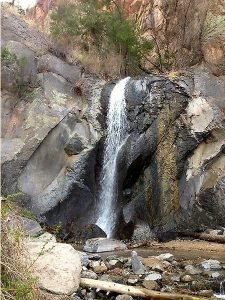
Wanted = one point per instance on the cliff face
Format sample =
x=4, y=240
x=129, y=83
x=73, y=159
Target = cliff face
x=185, y=32
x=171, y=169
x=50, y=126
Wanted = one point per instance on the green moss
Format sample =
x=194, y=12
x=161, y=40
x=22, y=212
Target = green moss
x=167, y=168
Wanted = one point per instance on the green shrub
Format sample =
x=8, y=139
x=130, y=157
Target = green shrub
x=104, y=26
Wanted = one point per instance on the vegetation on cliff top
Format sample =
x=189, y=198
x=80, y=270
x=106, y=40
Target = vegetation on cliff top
x=103, y=26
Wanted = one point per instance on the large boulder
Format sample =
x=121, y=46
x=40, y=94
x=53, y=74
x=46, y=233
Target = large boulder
x=57, y=266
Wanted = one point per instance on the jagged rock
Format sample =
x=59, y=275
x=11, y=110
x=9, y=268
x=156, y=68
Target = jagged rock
x=56, y=265
x=153, y=276
x=136, y=263
x=103, y=245
x=211, y=264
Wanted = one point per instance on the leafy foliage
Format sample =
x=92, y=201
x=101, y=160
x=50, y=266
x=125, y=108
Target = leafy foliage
x=102, y=24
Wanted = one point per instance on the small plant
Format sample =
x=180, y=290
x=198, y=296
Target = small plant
x=17, y=281
x=11, y=60
x=7, y=57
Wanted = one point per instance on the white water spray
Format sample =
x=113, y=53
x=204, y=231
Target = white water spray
x=116, y=134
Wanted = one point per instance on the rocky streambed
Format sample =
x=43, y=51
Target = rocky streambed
x=190, y=267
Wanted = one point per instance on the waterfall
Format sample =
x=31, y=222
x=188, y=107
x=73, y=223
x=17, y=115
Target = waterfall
x=116, y=134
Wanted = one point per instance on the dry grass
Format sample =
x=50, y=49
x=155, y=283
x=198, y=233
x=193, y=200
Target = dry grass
x=17, y=281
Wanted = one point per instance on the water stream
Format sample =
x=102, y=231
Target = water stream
x=116, y=134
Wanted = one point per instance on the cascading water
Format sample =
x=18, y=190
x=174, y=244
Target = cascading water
x=116, y=134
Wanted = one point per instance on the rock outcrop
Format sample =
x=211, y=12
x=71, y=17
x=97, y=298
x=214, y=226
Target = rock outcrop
x=170, y=169
x=50, y=130
x=172, y=165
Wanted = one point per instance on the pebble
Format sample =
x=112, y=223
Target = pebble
x=132, y=281
x=186, y=278
x=153, y=276
x=211, y=264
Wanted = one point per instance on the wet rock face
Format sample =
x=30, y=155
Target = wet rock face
x=174, y=147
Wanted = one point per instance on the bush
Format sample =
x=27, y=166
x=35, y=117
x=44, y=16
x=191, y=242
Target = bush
x=102, y=25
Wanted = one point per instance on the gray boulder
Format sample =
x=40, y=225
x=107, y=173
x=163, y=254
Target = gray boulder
x=103, y=245
x=211, y=264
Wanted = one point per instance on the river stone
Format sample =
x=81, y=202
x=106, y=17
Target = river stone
x=89, y=274
x=115, y=263
x=136, y=263
x=166, y=256
x=98, y=267
x=211, y=264
x=192, y=270
x=155, y=264
x=153, y=276
x=103, y=245
x=216, y=275
x=57, y=266
x=150, y=284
